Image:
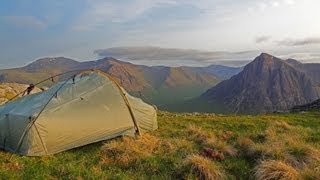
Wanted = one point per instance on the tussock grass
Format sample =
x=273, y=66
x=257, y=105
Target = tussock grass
x=204, y=168
x=287, y=143
x=180, y=145
x=277, y=170
x=310, y=173
x=301, y=154
x=226, y=148
x=282, y=124
x=245, y=142
x=247, y=146
x=198, y=134
x=129, y=149
x=225, y=135
x=208, y=139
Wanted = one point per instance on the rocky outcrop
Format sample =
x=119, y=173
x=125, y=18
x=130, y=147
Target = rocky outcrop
x=315, y=105
x=10, y=90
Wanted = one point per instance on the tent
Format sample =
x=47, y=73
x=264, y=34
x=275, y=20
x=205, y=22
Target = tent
x=87, y=108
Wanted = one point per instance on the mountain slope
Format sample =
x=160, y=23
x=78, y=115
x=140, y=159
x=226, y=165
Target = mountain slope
x=265, y=85
x=222, y=72
x=161, y=85
x=311, y=69
x=38, y=70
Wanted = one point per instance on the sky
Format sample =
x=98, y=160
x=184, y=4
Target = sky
x=159, y=32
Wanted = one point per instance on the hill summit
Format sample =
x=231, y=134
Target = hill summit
x=267, y=84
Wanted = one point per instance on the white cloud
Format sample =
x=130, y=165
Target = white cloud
x=100, y=12
x=275, y=3
x=28, y=22
x=305, y=57
x=289, y=2
x=300, y=42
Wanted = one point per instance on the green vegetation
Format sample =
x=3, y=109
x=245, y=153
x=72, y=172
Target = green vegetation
x=190, y=146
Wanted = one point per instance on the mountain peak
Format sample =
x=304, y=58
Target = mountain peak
x=54, y=62
x=266, y=58
x=264, y=62
x=265, y=85
x=266, y=55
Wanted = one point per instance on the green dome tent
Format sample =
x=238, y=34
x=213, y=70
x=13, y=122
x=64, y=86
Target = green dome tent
x=87, y=108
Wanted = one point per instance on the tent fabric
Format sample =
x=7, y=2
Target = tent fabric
x=88, y=108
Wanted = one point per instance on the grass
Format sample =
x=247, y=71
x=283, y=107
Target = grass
x=204, y=168
x=190, y=146
x=271, y=169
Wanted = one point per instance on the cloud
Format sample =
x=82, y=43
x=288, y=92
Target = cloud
x=28, y=22
x=305, y=57
x=275, y=3
x=173, y=54
x=101, y=12
x=289, y=2
x=299, y=42
x=262, y=39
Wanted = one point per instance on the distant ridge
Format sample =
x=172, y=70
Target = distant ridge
x=160, y=84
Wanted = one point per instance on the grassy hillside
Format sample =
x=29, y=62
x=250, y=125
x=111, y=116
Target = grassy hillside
x=190, y=146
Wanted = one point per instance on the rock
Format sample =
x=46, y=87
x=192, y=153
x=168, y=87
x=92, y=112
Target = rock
x=10, y=90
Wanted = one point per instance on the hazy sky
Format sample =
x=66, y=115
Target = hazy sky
x=85, y=29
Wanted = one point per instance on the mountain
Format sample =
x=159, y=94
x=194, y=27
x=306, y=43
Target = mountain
x=311, y=69
x=38, y=70
x=159, y=84
x=222, y=72
x=267, y=84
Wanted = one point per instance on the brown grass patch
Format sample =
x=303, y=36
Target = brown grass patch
x=200, y=135
x=247, y=146
x=226, y=135
x=226, y=148
x=272, y=169
x=245, y=142
x=181, y=145
x=282, y=124
x=129, y=149
x=204, y=168
x=310, y=173
x=301, y=154
x=271, y=134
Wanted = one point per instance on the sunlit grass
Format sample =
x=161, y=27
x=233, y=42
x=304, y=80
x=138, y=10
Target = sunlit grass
x=189, y=146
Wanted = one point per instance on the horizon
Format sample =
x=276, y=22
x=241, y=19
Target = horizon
x=161, y=32
x=233, y=64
